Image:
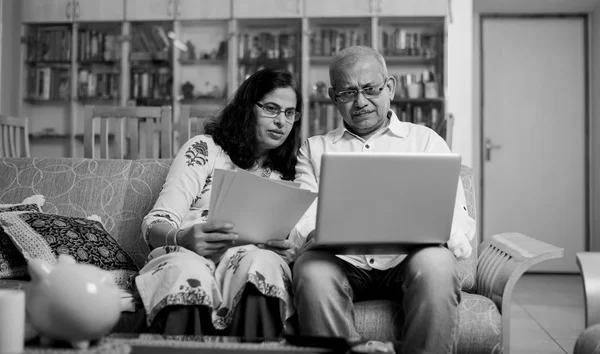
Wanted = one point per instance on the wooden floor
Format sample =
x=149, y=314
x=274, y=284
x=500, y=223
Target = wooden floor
x=547, y=314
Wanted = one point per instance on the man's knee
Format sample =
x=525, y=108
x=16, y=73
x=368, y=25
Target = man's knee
x=316, y=269
x=432, y=263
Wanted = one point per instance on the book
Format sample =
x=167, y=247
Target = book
x=260, y=209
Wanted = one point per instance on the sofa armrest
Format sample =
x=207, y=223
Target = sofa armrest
x=589, y=264
x=503, y=258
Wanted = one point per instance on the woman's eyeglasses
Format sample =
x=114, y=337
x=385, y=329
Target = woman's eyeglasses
x=351, y=95
x=271, y=110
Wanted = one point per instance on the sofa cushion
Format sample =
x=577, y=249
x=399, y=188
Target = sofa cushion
x=479, y=323
x=45, y=236
x=12, y=263
x=468, y=267
x=144, y=182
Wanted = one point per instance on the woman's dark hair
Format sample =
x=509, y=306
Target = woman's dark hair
x=234, y=129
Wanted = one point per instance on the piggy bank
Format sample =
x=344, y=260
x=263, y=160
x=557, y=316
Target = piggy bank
x=70, y=301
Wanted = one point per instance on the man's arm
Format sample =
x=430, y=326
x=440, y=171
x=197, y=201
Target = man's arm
x=463, y=226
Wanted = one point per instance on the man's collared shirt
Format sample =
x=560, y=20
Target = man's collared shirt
x=396, y=137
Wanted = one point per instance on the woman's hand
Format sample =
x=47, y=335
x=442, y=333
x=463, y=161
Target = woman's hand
x=284, y=248
x=208, y=239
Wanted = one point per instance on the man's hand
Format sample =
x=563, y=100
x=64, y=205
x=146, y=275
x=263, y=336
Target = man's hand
x=284, y=248
x=207, y=239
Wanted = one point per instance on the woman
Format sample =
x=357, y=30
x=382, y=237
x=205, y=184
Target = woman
x=195, y=281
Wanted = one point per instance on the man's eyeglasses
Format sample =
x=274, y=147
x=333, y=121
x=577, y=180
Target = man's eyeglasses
x=271, y=110
x=351, y=95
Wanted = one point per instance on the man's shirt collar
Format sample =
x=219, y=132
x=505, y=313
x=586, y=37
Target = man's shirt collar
x=395, y=127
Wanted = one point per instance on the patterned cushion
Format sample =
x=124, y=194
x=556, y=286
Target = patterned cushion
x=479, y=323
x=468, y=267
x=12, y=263
x=45, y=236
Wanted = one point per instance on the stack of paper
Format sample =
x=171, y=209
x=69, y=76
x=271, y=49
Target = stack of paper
x=260, y=209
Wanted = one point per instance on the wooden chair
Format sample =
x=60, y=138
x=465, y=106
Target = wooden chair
x=191, y=122
x=14, y=136
x=145, y=127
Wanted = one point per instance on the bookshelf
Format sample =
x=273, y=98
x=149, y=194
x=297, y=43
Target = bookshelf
x=414, y=51
x=196, y=52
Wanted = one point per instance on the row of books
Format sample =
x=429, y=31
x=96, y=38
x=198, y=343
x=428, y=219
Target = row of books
x=402, y=42
x=98, y=85
x=49, y=44
x=328, y=41
x=98, y=46
x=267, y=45
x=48, y=83
x=148, y=38
x=151, y=83
x=249, y=67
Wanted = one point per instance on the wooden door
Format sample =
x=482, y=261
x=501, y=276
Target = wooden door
x=150, y=10
x=267, y=8
x=534, y=123
x=202, y=10
x=94, y=10
x=46, y=11
x=393, y=8
x=349, y=8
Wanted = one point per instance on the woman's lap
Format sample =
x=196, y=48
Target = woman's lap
x=176, y=276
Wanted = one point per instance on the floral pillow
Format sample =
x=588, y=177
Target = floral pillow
x=12, y=262
x=45, y=236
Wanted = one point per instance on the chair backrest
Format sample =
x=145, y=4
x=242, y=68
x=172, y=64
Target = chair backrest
x=129, y=124
x=191, y=122
x=14, y=136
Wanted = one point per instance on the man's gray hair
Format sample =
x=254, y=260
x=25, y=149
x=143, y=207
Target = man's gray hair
x=349, y=56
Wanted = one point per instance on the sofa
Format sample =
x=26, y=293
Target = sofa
x=121, y=192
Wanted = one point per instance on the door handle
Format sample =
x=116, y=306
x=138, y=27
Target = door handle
x=489, y=147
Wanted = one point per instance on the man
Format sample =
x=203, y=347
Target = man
x=425, y=282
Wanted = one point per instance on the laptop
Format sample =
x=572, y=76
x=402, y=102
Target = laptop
x=385, y=203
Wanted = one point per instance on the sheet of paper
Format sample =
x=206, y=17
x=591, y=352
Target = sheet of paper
x=262, y=209
x=215, y=190
x=228, y=177
x=287, y=183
